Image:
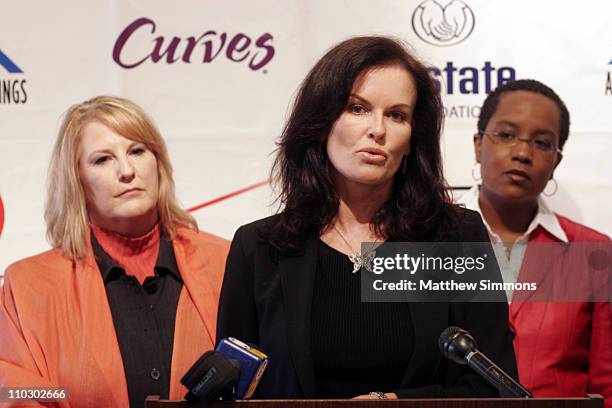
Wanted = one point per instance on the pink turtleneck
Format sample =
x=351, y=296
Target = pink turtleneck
x=137, y=255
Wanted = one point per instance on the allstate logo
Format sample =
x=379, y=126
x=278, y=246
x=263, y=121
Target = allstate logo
x=443, y=23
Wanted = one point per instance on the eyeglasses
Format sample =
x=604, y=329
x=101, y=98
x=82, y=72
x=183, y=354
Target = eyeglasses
x=542, y=143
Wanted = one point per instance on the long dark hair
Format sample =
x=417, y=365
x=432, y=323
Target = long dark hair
x=419, y=207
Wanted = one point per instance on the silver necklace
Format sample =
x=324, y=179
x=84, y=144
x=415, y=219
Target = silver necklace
x=356, y=257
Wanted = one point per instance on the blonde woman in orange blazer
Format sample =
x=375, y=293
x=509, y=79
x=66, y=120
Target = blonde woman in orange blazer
x=116, y=229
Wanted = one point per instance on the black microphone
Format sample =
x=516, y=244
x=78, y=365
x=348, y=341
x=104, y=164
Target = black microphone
x=459, y=346
x=230, y=372
x=212, y=377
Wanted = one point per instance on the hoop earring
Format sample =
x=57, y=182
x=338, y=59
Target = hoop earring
x=554, y=191
x=476, y=175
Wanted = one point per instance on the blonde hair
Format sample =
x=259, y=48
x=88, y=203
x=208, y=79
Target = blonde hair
x=66, y=210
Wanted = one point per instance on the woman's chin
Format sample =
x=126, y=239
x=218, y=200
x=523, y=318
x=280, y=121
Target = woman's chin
x=372, y=180
x=133, y=221
x=518, y=195
x=136, y=211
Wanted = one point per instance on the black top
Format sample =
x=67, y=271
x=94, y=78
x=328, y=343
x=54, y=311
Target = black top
x=143, y=316
x=267, y=299
x=356, y=346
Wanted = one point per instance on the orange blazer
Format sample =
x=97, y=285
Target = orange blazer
x=56, y=328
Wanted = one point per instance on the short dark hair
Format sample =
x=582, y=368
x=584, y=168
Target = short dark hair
x=419, y=205
x=531, y=85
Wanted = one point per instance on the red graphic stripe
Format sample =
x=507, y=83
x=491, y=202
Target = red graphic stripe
x=229, y=195
x=1, y=216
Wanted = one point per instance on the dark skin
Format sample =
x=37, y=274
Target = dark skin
x=514, y=176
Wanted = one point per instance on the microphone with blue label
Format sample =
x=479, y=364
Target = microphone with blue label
x=232, y=371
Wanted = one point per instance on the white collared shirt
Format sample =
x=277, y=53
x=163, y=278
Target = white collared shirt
x=510, y=266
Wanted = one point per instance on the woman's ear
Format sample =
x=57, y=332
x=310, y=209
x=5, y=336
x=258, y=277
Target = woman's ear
x=559, y=158
x=477, y=146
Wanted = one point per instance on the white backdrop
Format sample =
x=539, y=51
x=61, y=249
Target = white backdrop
x=221, y=117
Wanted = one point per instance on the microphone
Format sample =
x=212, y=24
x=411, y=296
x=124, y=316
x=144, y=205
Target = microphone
x=212, y=377
x=231, y=372
x=253, y=363
x=459, y=346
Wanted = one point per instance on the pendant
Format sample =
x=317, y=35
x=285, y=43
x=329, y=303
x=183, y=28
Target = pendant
x=355, y=258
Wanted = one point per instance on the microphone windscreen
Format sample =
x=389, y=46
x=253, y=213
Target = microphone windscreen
x=446, y=336
x=211, y=377
x=456, y=343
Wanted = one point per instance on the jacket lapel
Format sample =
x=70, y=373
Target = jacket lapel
x=297, y=281
x=99, y=334
x=190, y=342
x=542, y=265
x=198, y=276
x=196, y=314
x=429, y=319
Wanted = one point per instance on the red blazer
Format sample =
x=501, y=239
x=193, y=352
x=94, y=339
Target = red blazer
x=563, y=349
x=56, y=328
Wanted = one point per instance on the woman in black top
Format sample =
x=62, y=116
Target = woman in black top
x=358, y=161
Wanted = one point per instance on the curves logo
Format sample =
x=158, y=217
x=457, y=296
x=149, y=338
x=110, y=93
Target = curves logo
x=1, y=216
x=443, y=23
x=203, y=47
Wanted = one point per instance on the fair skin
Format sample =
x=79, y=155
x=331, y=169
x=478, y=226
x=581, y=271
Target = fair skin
x=365, y=148
x=120, y=180
x=514, y=176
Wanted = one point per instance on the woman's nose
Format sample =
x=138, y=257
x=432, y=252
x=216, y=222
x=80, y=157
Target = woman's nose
x=126, y=170
x=523, y=150
x=377, y=126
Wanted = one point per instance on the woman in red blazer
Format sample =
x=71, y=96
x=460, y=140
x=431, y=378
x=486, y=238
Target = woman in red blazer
x=126, y=300
x=563, y=349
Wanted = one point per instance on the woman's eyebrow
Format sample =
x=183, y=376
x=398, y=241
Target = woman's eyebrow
x=364, y=100
x=506, y=122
